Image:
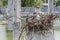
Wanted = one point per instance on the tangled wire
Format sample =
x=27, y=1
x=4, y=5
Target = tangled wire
x=45, y=22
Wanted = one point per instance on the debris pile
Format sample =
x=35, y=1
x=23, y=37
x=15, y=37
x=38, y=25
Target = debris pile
x=45, y=22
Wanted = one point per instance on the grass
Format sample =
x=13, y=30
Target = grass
x=57, y=28
x=9, y=35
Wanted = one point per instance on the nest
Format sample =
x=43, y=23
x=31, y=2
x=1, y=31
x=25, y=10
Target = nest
x=45, y=22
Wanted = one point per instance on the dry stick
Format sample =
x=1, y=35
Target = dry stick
x=21, y=32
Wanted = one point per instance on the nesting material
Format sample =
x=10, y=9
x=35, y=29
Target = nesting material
x=45, y=22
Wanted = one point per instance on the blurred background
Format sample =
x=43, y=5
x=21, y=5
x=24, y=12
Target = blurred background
x=27, y=7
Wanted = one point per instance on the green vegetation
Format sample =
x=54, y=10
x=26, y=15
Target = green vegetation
x=58, y=3
x=24, y=3
x=57, y=28
x=3, y=3
x=9, y=34
x=31, y=3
